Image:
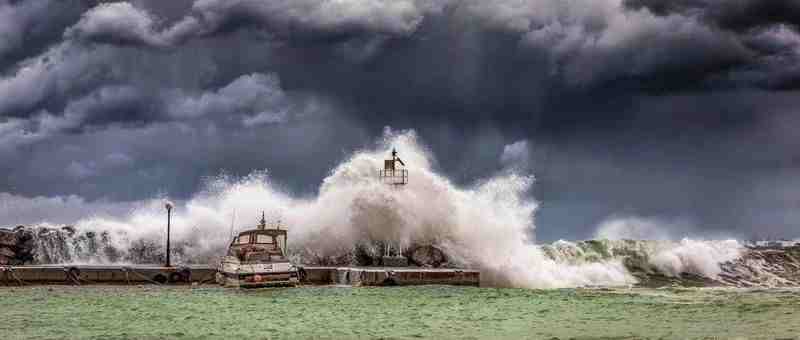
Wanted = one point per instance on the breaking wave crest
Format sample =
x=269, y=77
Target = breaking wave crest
x=489, y=225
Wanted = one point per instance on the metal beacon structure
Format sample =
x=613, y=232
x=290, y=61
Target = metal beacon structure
x=395, y=175
x=394, y=172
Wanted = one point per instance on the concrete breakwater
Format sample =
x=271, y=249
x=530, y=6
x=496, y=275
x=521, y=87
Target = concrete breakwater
x=353, y=276
x=85, y=274
x=47, y=255
x=45, y=245
x=647, y=263
x=389, y=276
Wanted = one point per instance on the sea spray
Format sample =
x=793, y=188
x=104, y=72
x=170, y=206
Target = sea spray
x=697, y=257
x=488, y=225
x=670, y=258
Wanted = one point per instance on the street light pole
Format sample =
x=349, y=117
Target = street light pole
x=168, y=205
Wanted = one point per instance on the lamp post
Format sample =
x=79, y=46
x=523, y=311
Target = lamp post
x=168, y=205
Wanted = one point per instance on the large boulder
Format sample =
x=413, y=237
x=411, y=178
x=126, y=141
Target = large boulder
x=7, y=252
x=8, y=238
x=427, y=256
x=16, y=246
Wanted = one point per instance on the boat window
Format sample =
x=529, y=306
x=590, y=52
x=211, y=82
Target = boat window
x=261, y=238
x=258, y=257
x=244, y=239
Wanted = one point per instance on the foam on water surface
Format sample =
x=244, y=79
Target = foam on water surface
x=430, y=312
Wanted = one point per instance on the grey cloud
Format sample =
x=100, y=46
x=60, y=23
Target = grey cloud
x=57, y=73
x=112, y=104
x=627, y=108
x=585, y=44
x=122, y=23
x=80, y=171
x=15, y=133
x=516, y=155
x=372, y=16
x=103, y=106
x=58, y=210
x=734, y=15
x=601, y=41
x=90, y=168
x=27, y=27
x=116, y=159
x=257, y=96
x=117, y=23
x=640, y=228
x=14, y=21
x=779, y=68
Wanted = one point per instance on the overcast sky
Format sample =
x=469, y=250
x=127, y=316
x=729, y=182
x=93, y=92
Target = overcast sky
x=675, y=110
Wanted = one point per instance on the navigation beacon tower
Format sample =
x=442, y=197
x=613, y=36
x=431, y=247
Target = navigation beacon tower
x=394, y=172
x=395, y=175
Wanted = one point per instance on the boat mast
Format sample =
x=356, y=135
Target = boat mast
x=263, y=223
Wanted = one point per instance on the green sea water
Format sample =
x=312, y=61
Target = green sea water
x=434, y=312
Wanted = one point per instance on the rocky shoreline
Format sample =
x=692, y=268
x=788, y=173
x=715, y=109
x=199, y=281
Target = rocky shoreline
x=772, y=264
x=16, y=246
x=23, y=245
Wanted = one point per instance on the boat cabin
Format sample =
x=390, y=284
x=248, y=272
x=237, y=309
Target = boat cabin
x=259, y=245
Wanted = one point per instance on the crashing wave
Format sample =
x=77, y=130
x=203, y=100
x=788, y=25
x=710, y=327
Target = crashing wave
x=638, y=262
x=691, y=262
x=354, y=218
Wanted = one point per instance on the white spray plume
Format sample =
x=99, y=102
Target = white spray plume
x=639, y=228
x=487, y=226
x=697, y=257
x=672, y=257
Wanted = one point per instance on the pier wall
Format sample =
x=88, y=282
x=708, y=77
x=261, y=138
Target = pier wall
x=353, y=276
x=79, y=275
x=390, y=276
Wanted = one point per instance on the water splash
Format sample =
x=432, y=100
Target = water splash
x=670, y=258
x=488, y=225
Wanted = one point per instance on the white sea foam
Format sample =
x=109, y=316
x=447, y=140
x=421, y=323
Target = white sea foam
x=668, y=255
x=488, y=225
x=697, y=257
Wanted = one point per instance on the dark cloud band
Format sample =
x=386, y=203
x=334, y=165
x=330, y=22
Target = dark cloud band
x=173, y=91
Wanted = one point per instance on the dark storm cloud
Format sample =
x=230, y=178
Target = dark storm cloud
x=27, y=27
x=123, y=23
x=667, y=109
x=768, y=30
x=733, y=15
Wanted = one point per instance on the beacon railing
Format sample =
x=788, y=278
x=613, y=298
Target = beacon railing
x=394, y=176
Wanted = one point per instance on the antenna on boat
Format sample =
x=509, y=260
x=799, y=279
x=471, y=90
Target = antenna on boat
x=263, y=223
x=233, y=219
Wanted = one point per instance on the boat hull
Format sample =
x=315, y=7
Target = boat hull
x=235, y=274
x=257, y=280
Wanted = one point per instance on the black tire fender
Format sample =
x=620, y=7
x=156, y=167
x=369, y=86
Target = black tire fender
x=160, y=279
x=176, y=277
x=73, y=274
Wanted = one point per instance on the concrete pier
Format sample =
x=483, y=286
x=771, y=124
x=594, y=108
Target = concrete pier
x=142, y=274
x=90, y=274
x=389, y=276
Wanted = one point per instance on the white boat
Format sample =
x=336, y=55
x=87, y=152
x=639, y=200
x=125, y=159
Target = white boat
x=257, y=258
